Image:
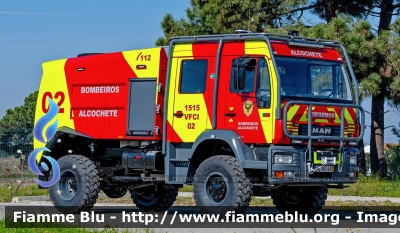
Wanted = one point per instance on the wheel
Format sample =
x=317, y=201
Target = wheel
x=150, y=199
x=78, y=187
x=304, y=200
x=115, y=192
x=220, y=185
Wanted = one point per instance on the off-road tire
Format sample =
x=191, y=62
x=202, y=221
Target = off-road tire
x=115, y=192
x=313, y=199
x=150, y=200
x=237, y=186
x=87, y=184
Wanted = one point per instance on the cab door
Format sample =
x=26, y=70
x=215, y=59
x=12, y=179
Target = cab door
x=247, y=102
x=193, y=89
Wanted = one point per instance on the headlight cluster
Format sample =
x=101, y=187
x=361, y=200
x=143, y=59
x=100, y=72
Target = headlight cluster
x=283, y=159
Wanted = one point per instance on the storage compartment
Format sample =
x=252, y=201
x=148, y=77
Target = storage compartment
x=142, y=106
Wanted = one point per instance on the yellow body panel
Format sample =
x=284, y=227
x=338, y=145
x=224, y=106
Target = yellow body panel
x=148, y=57
x=268, y=123
x=53, y=81
x=178, y=101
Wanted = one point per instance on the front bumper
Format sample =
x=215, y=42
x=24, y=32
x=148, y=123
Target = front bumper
x=302, y=170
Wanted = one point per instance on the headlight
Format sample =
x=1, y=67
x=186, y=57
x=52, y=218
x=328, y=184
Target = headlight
x=353, y=160
x=283, y=159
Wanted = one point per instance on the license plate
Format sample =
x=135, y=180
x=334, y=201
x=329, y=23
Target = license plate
x=319, y=168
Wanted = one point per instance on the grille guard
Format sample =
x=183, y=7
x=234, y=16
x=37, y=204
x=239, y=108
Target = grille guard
x=309, y=136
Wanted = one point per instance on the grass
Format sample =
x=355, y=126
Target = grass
x=370, y=187
x=14, y=189
x=12, y=168
x=256, y=201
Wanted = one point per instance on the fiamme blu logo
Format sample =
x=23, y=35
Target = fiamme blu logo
x=38, y=132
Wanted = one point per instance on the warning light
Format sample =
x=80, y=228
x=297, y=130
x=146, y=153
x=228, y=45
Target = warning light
x=279, y=174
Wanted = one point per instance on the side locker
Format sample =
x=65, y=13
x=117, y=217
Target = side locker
x=142, y=98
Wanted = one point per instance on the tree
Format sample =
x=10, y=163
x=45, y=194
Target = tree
x=17, y=125
x=328, y=9
x=21, y=117
x=224, y=16
x=392, y=155
x=207, y=17
x=384, y=81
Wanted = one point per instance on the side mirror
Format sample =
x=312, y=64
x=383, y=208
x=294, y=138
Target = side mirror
x=261, y=104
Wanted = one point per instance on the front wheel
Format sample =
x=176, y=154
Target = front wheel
x=304, y=200
x=220, y=185
x=78, y=186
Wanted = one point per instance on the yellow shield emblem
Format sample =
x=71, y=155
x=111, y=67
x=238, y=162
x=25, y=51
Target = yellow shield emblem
x=247, y=108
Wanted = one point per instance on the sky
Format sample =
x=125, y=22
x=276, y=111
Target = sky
x=32, y=32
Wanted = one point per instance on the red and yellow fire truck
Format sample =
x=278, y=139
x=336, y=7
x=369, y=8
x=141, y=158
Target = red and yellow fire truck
x=235, y=115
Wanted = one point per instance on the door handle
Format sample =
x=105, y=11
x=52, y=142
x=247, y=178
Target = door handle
x=232, y=114
x=178, y=114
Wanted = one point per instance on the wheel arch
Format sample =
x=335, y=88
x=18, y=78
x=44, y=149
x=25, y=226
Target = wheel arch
x=207, y=145
x=62, y=140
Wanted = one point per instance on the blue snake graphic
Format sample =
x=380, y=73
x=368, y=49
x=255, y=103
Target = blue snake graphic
x=38, y=134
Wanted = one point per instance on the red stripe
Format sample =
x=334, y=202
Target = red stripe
x=172, y=135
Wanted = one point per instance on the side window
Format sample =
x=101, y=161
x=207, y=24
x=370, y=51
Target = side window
x=193, y=76
x=263, y=82
x=341, y=84
x=243, y=71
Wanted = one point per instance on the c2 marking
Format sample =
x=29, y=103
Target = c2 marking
x=60, y=96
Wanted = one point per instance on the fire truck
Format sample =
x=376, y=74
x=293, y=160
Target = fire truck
x=234, y=115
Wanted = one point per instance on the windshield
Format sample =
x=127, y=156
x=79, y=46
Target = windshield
x=307, y=77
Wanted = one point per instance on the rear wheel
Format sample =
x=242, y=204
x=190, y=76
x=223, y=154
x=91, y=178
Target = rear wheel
x=304, y=200
x=78, y=187
x=220, y=185
x=155, y=198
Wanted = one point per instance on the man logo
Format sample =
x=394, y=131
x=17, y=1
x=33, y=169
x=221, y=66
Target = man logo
x=247, y=108
x=321, y=130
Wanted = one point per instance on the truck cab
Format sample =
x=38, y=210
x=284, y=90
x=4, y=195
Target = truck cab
x=285, y=107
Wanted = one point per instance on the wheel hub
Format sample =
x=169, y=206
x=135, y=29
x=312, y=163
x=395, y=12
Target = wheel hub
x=67, y=185
x=216, y=188
x=292, y=196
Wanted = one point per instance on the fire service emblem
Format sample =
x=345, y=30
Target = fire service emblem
x=247, y=108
